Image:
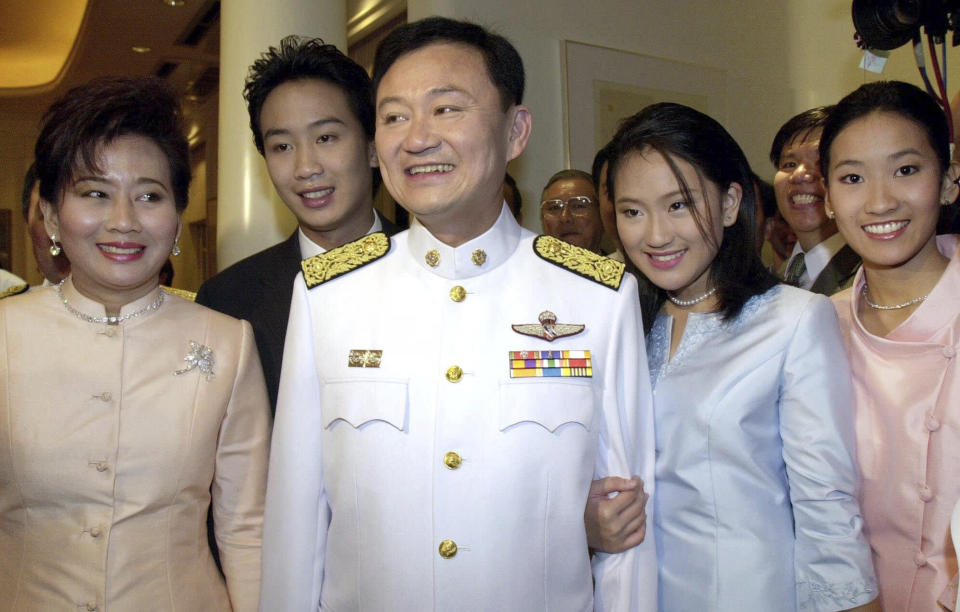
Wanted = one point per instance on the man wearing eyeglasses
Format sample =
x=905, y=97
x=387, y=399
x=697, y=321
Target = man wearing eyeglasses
x=569, y=210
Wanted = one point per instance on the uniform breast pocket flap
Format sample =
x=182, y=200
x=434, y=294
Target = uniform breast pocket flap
x=549, y=405
x=363, y=401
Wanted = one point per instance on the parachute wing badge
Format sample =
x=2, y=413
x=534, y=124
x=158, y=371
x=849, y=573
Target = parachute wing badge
x=548, y=328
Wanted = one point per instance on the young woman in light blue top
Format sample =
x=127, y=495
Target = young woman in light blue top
x=756, y=504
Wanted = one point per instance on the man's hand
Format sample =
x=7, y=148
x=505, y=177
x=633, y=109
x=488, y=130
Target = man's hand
x=618, y=523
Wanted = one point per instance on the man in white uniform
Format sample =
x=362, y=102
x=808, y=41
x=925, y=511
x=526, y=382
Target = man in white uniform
x=447, y=395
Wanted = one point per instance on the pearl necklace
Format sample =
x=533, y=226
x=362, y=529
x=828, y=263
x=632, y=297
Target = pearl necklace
x=696, y=300
x=895, y=306
x=107, y=320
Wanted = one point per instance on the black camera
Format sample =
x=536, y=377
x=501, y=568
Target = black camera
x=888, y=24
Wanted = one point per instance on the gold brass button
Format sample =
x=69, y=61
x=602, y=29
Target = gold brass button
x=95, y=532
x=478, y=257
x=452, y=460
x=454, y=374
x=101, y=466
x=432, y=258
x=458, y=294
x=448, y=549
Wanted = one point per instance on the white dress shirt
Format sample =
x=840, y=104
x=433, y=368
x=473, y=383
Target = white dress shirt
x=816, y=259
x=309, y=248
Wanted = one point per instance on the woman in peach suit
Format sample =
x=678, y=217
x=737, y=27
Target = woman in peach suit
x=126, y=412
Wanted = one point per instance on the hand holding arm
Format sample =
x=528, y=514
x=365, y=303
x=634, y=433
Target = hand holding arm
x=618, y=523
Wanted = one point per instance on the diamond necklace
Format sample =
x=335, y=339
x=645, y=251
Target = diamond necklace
x=893, y=307
x=106, y=320
x=695, y=300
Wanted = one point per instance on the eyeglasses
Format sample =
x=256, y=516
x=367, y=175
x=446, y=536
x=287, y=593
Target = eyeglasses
x=578, y=206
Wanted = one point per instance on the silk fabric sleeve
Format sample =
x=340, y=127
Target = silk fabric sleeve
x=240, y=478
x=833, y=565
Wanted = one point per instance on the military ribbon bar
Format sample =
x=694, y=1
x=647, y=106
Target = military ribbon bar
x=546, y=364
x=549, y=355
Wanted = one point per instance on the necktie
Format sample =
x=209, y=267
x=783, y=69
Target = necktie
x=795, y=270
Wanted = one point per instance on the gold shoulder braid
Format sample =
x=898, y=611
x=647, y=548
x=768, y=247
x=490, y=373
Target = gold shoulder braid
x=337, y=262
x=13, y=290
x=580, y=261
x=187, y=295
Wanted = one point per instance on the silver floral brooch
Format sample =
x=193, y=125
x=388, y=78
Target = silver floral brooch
x=200, y=358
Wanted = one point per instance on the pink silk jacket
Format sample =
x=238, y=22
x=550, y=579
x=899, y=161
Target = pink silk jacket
x=907, y=418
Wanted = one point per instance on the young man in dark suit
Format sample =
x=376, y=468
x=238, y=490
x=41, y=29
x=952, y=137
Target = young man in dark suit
x=312, y=117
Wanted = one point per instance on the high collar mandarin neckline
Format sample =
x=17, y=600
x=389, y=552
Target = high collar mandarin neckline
x=927, y=320
x=95, y=310
x=490, y=249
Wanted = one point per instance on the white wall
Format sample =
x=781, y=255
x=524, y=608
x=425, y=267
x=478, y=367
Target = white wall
x=780, y=57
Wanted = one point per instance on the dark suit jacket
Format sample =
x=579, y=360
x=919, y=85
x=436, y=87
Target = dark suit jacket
x=259, y=289
x=839, y=272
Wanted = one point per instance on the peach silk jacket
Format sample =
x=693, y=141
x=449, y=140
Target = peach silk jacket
x=907, y=420
x=108, y=458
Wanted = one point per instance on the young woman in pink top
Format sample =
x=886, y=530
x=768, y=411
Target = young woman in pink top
x=885, y=158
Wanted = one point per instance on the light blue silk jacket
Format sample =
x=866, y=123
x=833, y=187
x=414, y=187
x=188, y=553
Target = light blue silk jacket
x=756, y=480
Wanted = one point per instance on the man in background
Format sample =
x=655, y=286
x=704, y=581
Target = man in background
x=775, y=239
x=569, y=210
x=821, y=261
x=511, y=195
x=608, y=216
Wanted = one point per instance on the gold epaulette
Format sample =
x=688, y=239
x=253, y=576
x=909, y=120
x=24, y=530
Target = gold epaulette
x=14, y=290
x=337, y=262
x=580, y=261
x=187, y=295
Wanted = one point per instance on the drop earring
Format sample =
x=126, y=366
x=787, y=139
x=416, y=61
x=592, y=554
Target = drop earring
x=176, y=248
x=54, y=247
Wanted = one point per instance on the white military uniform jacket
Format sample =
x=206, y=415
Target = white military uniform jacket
x=425, y=477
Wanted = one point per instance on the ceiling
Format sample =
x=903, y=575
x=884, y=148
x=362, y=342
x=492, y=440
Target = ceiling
x=183, y=38
x=34, y=57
